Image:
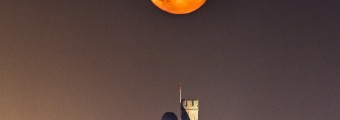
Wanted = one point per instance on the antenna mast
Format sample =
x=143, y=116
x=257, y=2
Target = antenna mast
x=180, y=92
x=180, y=100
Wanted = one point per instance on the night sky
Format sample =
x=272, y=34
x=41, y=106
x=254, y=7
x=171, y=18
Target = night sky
x=121, y=60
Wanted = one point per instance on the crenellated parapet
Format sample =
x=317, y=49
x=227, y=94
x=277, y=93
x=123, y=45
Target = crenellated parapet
x=189, y=108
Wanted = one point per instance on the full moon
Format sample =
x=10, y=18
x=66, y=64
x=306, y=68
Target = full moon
x=178, y=6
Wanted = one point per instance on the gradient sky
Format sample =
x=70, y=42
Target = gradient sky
x=121, y=60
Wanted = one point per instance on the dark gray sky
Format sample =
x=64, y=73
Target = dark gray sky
x=121, y=60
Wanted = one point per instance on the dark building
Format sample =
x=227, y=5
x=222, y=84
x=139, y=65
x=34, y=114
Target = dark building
x=169, y=116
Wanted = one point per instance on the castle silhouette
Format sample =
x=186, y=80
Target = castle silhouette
x=189, y=111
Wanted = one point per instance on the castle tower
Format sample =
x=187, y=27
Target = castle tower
x=189, y=109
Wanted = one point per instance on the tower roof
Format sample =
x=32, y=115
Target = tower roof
x=169, y=116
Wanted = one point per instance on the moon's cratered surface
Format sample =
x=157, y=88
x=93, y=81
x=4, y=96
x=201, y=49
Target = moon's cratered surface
x=178, y=6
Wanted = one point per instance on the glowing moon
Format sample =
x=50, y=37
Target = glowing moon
x=178, y=6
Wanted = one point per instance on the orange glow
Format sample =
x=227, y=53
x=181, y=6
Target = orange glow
x=178, y=6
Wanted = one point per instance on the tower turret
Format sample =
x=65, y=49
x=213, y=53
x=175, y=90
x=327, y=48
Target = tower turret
x=189, y=109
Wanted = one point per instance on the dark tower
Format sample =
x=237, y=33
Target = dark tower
x=169, y=116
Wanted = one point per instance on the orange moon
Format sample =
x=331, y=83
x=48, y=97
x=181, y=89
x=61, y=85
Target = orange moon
x=178, y=6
